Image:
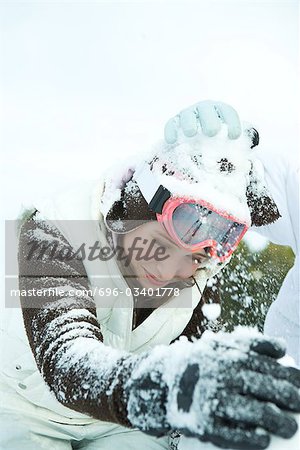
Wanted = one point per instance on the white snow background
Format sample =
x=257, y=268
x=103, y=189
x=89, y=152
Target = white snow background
x=84, y=84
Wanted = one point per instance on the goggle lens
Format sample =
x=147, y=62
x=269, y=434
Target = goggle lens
x=194, y=223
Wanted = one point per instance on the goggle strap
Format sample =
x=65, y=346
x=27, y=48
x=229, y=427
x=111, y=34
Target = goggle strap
x=158, y=200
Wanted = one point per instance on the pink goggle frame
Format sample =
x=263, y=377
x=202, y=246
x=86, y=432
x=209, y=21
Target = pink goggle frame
x=196, y=224
x=192, y=224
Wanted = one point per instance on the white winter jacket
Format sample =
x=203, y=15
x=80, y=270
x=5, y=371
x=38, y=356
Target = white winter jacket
x=166, y=323
x=19, y=368
x=282, y=179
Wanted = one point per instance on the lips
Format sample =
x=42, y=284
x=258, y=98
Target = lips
x=153, y=279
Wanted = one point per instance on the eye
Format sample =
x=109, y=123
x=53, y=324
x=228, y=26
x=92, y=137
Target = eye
x=197, y=260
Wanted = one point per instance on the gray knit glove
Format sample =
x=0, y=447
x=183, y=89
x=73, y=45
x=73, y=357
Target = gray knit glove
x=226, y=388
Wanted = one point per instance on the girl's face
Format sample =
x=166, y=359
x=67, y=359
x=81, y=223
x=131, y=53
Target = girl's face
x=158, y=260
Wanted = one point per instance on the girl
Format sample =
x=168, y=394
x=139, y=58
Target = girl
x=111, y=274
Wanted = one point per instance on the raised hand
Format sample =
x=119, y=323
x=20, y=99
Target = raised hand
x=208, y=116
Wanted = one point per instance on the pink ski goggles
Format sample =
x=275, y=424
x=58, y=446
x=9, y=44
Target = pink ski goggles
x=192, y=224
x=196, y=224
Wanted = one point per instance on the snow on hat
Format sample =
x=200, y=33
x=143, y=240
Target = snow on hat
x=219, y=170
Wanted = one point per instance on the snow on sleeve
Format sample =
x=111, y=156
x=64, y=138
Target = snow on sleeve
x=65, y=336
x=116, y=178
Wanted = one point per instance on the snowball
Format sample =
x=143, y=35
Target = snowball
x=211, y=311
x=287, y=361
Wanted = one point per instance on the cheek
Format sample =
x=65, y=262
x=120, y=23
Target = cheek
x=127, y=244
x=123, y=243
x=188, y=268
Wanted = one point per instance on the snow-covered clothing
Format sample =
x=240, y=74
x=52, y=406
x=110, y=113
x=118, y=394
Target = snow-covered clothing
x=224, y=173
x=67, y=335
x=61, y=328
x=215, y=390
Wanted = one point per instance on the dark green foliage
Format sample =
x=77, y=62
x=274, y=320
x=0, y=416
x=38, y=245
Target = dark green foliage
x=250, y=283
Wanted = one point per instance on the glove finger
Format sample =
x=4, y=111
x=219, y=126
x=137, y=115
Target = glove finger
x=237, y=437
x=186, y=387
x=264, y=387
x=170, y=130
x=266, y=365
x=208, y=117
x=244, y=409
x=273, y=347
x=188, y=122
x=256, y=342
x=231, y=118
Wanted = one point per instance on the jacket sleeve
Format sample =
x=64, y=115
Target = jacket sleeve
x=63, y=331
x=282, y=178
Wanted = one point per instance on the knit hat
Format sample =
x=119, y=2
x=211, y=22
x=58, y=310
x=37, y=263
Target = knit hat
x=221, y=171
